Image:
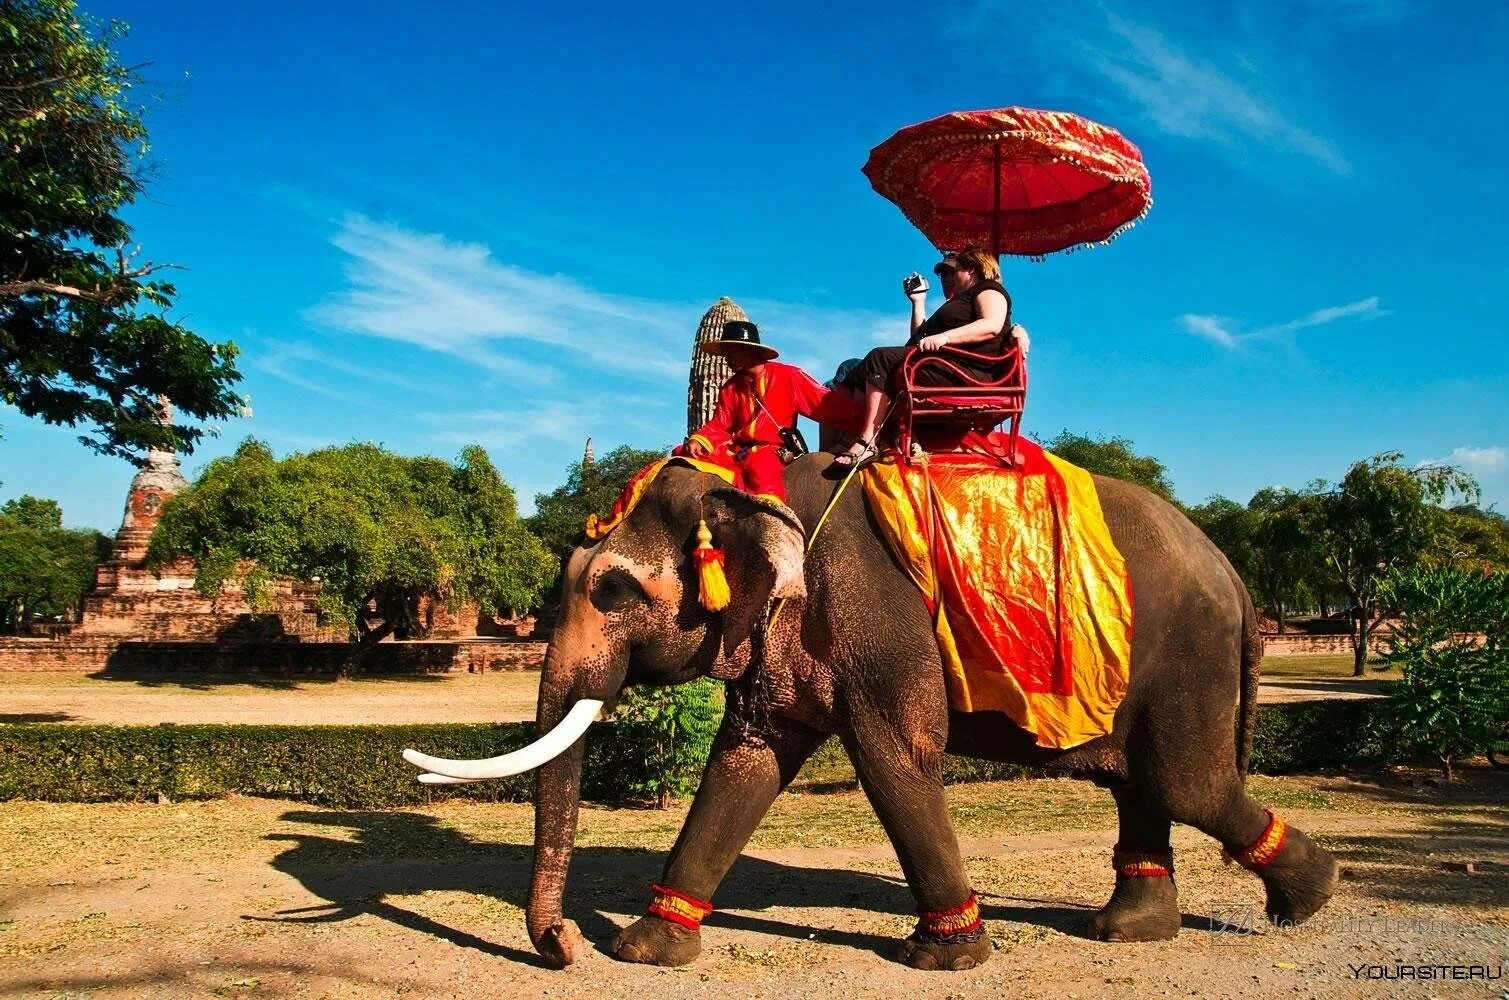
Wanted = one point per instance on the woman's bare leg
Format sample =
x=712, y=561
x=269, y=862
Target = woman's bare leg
x=875, y=406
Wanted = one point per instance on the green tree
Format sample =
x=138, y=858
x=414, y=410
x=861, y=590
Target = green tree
x=1380, y=517
x=44, y=569
x=1472, y=536
x=34, y=512
x=1285, y=558
x=377, y=530
x=673, y=727
x=1230, y=526
x=1113, y=457
x=1452, y=645
x=83, y=335
x=589, y=489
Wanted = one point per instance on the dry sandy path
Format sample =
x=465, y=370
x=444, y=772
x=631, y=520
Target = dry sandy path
x=247, y=897
x=497, y=697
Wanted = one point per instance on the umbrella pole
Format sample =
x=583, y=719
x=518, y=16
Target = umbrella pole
x=995, y=214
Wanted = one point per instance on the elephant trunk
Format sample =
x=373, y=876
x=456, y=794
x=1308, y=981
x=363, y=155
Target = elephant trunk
x=557, y=801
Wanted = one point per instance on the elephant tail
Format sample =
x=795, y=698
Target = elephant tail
x=1252, y=668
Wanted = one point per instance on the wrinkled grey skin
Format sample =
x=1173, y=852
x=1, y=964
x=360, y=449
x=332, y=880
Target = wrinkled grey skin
x=853, y=653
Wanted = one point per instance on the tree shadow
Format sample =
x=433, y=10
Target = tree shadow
x=1466, y=820
x=21, y=717
x=211, y=680
x=162, y=978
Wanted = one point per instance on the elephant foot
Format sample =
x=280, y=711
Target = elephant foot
x=1300, y=879
x=1141, y=908
x=653, y=941
x=921, y=953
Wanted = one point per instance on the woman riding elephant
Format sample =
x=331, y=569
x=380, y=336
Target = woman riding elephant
x=976, y=316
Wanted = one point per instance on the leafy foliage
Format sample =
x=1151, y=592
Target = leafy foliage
x=1471, y=536
x=1112, y=457
x=1381, y=517
x=44, y=569
x=371, y=526
x=675, y=729
x=82, y=334
x=1454, y=698
x=589, y=489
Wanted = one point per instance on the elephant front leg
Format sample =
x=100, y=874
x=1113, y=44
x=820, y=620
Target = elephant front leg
x=1144, y=905
x=743, y=777
x=900, y=768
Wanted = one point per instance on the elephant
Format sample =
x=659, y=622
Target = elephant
x=853, y=653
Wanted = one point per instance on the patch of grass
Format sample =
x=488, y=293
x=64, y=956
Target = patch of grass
x=1329, y=666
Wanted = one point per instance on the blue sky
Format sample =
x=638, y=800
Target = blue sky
x=501, y=225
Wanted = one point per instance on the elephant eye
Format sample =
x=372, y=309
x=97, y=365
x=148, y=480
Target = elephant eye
x=616, y=590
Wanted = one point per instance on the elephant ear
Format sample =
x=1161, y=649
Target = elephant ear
x=765, y=548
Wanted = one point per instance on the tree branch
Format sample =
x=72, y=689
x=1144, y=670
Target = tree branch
x=119, y=286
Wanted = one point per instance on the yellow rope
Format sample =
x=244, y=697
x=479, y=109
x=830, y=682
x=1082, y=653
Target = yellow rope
x=812, y=538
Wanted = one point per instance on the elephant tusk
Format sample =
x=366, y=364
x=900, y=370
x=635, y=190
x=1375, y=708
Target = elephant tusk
x=444, y=779
x=546, y=748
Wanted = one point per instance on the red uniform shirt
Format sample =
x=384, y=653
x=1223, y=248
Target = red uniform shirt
x=786, y=391
x=744, y=437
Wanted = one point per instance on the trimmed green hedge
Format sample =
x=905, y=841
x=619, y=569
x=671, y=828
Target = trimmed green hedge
x=1319, y=735
x=360, y=766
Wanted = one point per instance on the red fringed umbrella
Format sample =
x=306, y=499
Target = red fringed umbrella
x=1020, y=181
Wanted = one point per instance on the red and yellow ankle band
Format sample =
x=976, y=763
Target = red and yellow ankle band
x=1263, y=850
x=678, y=907
x=1143, y=862
x=959, y=921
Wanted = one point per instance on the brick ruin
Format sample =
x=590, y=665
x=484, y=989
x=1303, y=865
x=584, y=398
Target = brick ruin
x=139, y=621
x=709, y=371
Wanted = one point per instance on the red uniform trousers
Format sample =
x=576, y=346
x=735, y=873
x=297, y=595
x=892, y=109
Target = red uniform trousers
x=757, y=468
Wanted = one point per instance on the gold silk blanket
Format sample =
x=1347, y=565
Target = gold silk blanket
x=1029, y=595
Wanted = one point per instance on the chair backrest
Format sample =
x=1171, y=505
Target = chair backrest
x=1009, y=383
x=969, y=402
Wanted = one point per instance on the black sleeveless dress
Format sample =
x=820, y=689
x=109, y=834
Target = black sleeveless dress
x=879, y=366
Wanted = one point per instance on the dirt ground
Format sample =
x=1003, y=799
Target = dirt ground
x=80, y=698
x=249, y=897
x=500, y=697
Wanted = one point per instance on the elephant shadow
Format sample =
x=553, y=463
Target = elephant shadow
x=385, y=856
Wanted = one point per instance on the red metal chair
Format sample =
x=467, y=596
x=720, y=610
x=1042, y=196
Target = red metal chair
x=969, y=404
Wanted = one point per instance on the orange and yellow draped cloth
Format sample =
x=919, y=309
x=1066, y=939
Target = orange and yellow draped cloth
x=1030, y=597
x=628, y=499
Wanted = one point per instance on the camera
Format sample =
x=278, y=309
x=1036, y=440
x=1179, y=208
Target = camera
x=914, y=283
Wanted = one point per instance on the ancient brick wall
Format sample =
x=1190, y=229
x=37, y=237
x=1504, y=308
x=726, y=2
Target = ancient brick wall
x=283, y=659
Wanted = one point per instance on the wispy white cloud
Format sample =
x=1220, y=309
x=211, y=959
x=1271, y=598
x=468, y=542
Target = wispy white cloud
x=1211, y=328
x=309, y=357
x=280, y=366
x=1218, y=329
x=1190, y=95
x=453, y=297
x=1478, y=460
x=1213, y=89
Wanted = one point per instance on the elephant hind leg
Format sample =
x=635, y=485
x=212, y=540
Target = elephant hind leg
x=1298, y=874
x=1144, y=906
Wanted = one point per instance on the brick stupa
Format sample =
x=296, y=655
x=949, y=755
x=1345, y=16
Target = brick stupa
x=709, y=371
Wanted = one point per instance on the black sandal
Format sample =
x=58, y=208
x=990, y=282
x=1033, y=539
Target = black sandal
x=856, y=460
